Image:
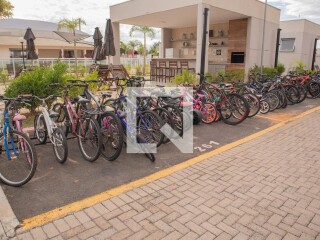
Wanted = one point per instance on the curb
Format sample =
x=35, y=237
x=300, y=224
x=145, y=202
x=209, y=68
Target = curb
x=8, y=220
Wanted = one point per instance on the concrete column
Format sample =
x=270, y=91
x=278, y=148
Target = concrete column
x=166, y=35
x=116, y=33
x=200, y=24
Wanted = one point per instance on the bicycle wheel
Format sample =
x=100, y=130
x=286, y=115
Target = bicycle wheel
x=209, y=113
x=234, y=109
x=151, y=156
x=313, y=90
x=264, y=107
x=273, y=100
x=60, y=145
x=149, y=125
x=40, y=128
x=112, y=136
x=21, y=165
x=303, y=93
x=293, y=94
x=254, y=104
x=89, y=139
x=177, y=119
x=166, y=117
x=62, y=121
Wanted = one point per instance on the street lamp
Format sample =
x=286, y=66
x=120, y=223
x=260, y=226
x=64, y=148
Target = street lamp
x=264, y=33
x=21, y=39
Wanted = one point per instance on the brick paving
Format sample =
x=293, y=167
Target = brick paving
x=268, y=188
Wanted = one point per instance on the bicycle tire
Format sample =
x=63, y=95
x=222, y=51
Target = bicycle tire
x=235, y=103
x=109, y=133
x=177, y=117
x=303, y=92
x=166, y=116
x=254, y=104
x=273, y=100
x=264, y=107
x=150, y=156
x=293, y=94
x=96, y=137
x=58, y=133
x=33, y=164
x=212, y=113
x=41, y=134
x=156, y=136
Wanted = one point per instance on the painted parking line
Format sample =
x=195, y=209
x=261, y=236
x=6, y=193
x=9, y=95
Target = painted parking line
x=88, y=202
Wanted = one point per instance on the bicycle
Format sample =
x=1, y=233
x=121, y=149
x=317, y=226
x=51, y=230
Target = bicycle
x=110, y=124
x=80, y=122
x=19, y=162
x=45, y=126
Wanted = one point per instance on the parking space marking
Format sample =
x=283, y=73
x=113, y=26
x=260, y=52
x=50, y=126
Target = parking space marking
x=88, y=202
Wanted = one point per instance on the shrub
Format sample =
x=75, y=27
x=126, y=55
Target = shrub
x=139, y=70
x=185, y=78
x=37, y=82
x=280, y=69
x=4, y=77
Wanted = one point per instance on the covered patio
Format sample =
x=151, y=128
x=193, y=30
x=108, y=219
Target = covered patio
x=235, y=31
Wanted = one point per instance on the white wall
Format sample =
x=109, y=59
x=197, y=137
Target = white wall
x=254, y=43
x=305, y=33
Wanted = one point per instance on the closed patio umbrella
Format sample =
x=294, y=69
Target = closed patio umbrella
x=97, y=53
x=31, y=49
x=108, y=48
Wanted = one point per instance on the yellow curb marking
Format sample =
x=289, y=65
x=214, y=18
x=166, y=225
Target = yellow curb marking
x=88, y=202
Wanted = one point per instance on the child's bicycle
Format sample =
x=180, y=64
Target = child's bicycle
x=45, y=126
x=18, y=157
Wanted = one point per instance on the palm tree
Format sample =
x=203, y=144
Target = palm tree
x=147, y=32
x=133, y=44
x=72, y=25
x=123, y=48
x=154, y=50
x=6, y=9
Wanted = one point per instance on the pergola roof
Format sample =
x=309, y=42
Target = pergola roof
x=183, y=13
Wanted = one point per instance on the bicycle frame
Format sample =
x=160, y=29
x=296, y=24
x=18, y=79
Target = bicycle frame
x=49, y=123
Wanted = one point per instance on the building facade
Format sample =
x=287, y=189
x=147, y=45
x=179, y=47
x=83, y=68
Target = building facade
x=49, y=44
x=235, y=28
x=297, y=42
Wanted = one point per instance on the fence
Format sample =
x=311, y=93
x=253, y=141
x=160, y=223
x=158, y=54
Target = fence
x=84, y=64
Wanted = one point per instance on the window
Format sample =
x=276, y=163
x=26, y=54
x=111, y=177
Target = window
x=287, y=44
x=16, y=53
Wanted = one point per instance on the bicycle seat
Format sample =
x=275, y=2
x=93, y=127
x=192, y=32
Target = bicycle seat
x=53, y=114
x=200, y=95
x=81, y=100
x=19, y=117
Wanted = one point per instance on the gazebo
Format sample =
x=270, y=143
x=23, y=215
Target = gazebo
x=235, y=30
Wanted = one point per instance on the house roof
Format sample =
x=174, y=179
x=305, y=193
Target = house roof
x=41, y=29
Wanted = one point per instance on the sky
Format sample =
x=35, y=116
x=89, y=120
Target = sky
x=95, y=12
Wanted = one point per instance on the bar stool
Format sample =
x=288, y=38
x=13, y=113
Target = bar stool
x=162, y=70
x=154, y=70
x=184, y=65
x=173, y=69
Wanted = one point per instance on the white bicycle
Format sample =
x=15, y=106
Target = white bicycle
x=44, y=126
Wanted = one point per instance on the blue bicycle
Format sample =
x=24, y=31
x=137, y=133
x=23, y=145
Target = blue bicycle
x=18, y=158
x=148, y=124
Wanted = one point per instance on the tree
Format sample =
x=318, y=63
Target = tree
x=123, y=48
x=72, y=25
x=141, y=49
x=6, y=9
x=147, y=32
x=133, y=45
x=154, y=50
